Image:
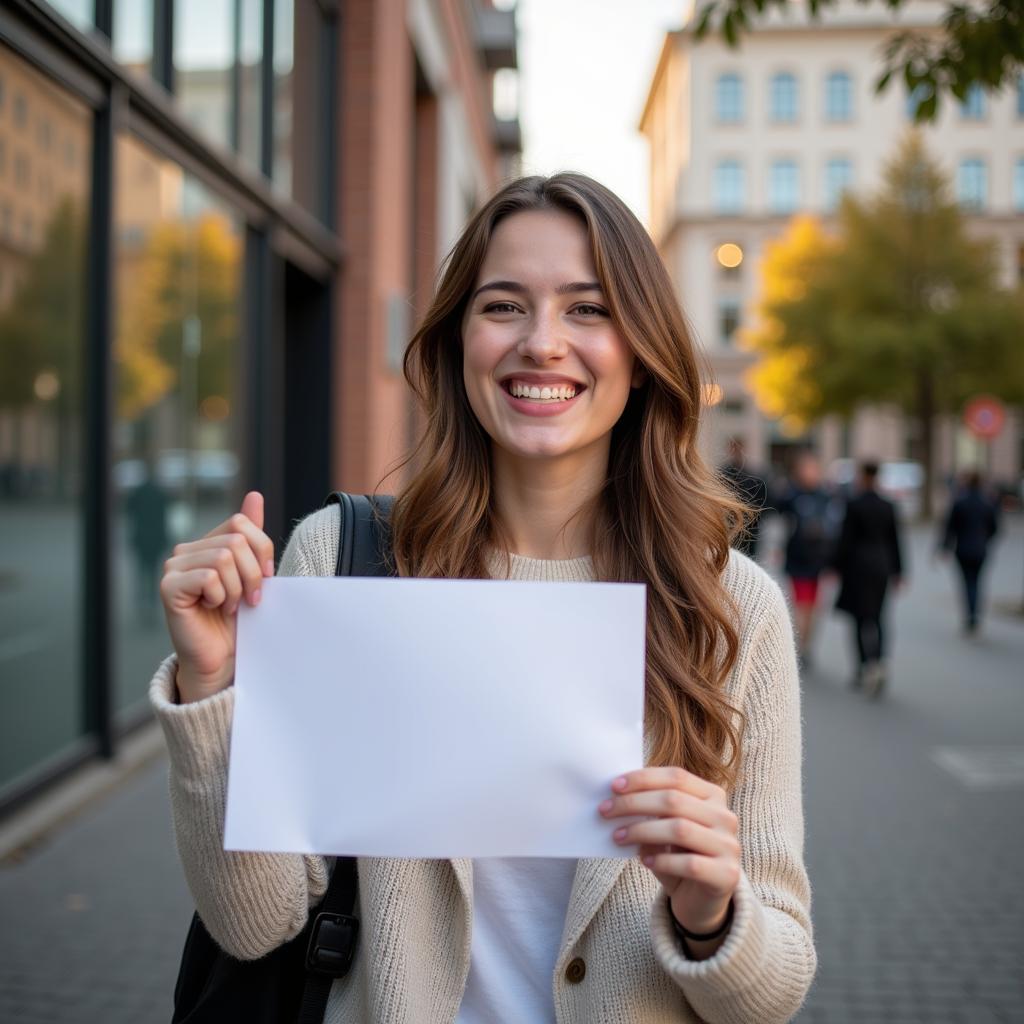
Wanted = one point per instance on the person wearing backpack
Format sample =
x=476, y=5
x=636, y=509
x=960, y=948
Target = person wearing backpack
x=808, y=510
x=562, y=399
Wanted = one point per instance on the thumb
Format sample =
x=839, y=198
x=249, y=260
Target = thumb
x=252, y=507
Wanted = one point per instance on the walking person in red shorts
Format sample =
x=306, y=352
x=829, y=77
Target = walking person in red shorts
x=808, y=510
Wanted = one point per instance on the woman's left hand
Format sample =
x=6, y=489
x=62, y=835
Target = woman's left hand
x=689, y=841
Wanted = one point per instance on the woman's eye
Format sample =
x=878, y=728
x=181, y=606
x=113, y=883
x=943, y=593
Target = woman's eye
x=589, y=309
x=501, y=307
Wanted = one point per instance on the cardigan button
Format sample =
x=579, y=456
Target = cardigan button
x=576, y=971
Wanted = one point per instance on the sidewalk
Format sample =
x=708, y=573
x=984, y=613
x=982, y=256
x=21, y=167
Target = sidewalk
x=915, y=815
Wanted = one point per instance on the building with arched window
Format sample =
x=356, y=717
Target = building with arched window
x=820, y=131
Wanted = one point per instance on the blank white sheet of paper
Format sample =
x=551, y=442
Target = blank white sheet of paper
x=434, y=718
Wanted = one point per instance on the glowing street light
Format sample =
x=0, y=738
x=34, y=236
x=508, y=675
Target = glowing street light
x=729, y=255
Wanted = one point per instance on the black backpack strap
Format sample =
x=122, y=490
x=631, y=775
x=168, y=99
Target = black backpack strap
x=364, y=542
x=332, y=941
x=364, y=549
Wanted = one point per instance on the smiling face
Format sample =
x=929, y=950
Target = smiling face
x=546, y=372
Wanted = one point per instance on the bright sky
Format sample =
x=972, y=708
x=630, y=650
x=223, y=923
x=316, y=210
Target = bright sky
x=584, y=68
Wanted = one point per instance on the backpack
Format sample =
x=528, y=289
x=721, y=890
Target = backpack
x=293, y=981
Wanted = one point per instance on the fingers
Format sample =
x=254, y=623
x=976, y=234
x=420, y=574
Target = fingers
x=236, y=582
x=669, y=803
x=252, y=508
x=196, y=586
x=668, y=777
x=261, y=544
x=690, y=836
x=714, y=874
x=232, y=556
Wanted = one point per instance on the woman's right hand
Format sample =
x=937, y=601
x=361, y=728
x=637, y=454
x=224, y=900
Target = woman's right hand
x=203, y=584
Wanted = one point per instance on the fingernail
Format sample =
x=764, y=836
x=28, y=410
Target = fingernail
x=620, y=834
x=268, y=567
x=256, y=595
x=648, y=860
x=605, y=806
x=620, y=783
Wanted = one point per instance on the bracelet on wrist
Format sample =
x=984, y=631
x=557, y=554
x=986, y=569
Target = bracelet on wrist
x=687, y=936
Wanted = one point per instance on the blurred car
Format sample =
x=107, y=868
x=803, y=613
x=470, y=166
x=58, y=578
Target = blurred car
x=214, y=471
x=901, y=481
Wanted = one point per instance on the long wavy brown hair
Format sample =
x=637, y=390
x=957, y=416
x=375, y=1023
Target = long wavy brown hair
x=663, y=517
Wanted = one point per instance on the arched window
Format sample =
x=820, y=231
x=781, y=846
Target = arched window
x=783, y=98
x=972, y=184
x=838, y=178
x=838, y=96
x=972, y=107
x=729, y=186
x=729, y=99
x=783, y=186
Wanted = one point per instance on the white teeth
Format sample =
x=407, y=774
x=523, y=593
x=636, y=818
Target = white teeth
x=547, y=393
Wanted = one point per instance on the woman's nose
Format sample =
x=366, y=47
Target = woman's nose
x=545, y=340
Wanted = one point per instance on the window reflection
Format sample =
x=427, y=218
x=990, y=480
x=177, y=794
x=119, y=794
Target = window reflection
x=80, y=13
x=218, y=49
x=284, y=87
x=43, y=224
x=203, y=59
x=133, y=34
x=175, y=462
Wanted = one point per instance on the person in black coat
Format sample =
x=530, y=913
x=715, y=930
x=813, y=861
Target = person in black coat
x=971, y=523
x=867, y=559
x=750, y=488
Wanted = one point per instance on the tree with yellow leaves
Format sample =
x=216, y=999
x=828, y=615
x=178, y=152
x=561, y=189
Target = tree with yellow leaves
x=897, y=306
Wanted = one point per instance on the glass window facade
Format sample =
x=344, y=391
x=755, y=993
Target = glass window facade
x=973, y=106
x=838, y=178
x=783, y=186
x=729, y=187
x=43, y=235
x=729, y=99
x=204, y=37
x=132, y=38
x=123, y=380
x=972, y=184
x=784, y=99
x=178, y=259
x=80, y=13
x=838, y=97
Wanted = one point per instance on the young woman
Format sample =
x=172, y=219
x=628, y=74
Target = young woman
x=562, y=396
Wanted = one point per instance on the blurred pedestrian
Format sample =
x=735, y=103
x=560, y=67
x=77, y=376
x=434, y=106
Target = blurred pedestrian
x=867, y=558
x=808, y=510
x=971, y=523
x=145, y=508
x=749, y=487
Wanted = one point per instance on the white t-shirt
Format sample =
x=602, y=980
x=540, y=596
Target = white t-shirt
x=519, y=906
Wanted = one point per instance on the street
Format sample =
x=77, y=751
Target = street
x=915, y=822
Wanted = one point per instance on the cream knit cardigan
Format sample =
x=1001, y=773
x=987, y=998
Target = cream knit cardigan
x=414, y=947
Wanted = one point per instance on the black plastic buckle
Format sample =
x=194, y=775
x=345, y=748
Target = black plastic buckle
x=332, y=944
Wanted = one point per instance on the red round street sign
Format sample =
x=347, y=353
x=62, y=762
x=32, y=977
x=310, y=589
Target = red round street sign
x=985, y=417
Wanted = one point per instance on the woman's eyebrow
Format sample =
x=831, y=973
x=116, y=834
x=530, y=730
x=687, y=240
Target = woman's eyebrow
x=520, y=289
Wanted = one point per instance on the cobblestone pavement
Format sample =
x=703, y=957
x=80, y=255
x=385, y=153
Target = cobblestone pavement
x=918, y=908
x=915, y=813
